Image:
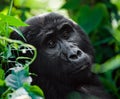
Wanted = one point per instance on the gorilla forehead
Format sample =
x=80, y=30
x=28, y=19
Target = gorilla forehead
x=50, y=20
x=42, y=24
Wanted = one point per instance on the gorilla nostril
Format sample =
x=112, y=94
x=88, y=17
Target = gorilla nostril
x=73, y=56
x=79, y=53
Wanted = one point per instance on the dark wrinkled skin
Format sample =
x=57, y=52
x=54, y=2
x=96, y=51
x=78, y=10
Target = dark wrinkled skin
x=64, y=58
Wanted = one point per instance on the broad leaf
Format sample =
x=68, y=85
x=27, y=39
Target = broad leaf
x=17, y=31
x=36, y=4
x=18, y=77
x=12, y=20
x=34, y=89
x=71, y=4
x=2, y=82
x=2, y=73
x=111, y=64
x=90, y=18
x=109, y=84
x=21, y=93
x=116, y=34
x=8, y=52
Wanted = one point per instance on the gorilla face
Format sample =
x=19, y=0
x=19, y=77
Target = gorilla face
x=60, y=51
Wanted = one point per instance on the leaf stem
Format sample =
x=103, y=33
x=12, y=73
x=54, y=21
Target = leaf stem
x=23, y=44
x=10, y=9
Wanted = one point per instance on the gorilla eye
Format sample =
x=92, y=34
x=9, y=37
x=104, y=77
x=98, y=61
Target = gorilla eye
x=66, y=31
x=66, y=34
x=51, y=43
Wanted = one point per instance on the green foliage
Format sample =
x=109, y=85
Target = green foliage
x=18, y=76
x=20, y=81
x=21, y=93
x=33, y=90
x=91, y=18
x=6, y=22
x=11, y=20
x=110, y=64
x=71, y=4
x=17, y=83
x=2, y=73
x=18, y=31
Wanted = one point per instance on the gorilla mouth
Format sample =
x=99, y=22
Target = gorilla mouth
x=80, y=69
x=83, y=67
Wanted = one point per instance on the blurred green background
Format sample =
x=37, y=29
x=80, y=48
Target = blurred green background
x=100, y=19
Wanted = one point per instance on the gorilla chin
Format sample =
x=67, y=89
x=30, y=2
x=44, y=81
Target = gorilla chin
x=65, y=56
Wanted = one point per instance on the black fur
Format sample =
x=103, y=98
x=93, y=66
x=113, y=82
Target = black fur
x=59, y=62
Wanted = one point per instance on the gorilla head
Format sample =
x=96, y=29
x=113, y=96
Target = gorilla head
x=64, y=57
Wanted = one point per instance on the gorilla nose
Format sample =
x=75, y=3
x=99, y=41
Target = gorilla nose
x=74, y=56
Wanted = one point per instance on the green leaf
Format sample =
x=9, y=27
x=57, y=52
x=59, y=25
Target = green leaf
x=18, y=77
x=2, y=27
x=17, y=31
x=116, y=34
x=111, y=64
x=8, y=52
x=12, y=20
x=90, y=17
x=2, y=82
x=20, y=93
x=109, y=84
x=34, y=4
x=71, y=4
x=2, y=73
x=34, y=89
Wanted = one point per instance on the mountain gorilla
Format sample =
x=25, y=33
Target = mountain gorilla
x=64, y=58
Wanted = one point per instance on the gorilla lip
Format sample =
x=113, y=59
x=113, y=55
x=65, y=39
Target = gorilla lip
x=83, y=67
x=80, y=68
